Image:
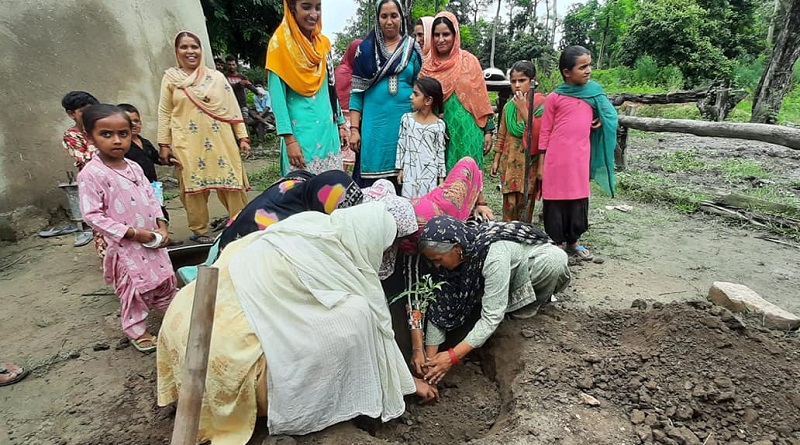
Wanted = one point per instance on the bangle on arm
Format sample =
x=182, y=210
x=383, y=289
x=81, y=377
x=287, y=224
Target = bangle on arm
x=245, y=140
x=481, y=203
x=453, y=356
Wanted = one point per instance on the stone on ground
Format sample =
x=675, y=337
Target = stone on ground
x=740, y=298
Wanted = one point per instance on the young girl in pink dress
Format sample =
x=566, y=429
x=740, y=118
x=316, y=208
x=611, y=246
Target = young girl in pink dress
x=576, y=144
x=117, y=200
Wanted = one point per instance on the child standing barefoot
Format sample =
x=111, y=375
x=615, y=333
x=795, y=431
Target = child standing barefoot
x=510, y=154
x=116, y=200
x=576, y=144
x=421, y=143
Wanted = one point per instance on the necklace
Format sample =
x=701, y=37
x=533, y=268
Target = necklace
x=127, y=173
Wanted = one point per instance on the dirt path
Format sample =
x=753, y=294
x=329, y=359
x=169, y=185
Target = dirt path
x=675, y=365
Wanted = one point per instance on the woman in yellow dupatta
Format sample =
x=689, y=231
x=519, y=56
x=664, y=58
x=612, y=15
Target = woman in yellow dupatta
x=304, y=101
x=199, y=124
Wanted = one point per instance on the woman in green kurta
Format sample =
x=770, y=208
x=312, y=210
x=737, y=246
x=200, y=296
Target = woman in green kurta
x=306, y=108
x=491, y=268
x=468, y=113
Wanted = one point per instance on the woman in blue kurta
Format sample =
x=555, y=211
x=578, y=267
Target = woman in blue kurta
x=304, y=101
x=386, y=66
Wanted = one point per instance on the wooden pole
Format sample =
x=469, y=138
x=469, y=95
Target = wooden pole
x=773, y=134
x=190, y=398
x=620, y=158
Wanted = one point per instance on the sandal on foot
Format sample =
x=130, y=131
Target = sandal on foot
x=202, y=238
x=12, y=373
x=57, y=231
x=138, y=343
x=581, y=252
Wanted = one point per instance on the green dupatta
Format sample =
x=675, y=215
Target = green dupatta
x=513, y=126
x=603, y=140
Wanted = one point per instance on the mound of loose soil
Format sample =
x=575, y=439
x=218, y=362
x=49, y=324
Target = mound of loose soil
x=680, y=374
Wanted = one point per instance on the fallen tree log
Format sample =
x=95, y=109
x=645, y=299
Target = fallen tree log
x=773, y=134
x=678, y=97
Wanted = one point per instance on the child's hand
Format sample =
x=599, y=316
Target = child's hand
x=520, y=101
x=400, y=177
x=164, y=232
x=495, y=167
x=487, y=142
x=143, y=236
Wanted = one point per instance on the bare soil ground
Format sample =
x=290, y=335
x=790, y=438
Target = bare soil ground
x=673, y=373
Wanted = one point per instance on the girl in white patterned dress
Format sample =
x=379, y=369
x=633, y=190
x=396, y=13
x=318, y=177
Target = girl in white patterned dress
x=421, y=142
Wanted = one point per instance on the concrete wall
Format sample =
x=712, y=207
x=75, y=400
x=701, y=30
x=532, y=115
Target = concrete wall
x=115, y=49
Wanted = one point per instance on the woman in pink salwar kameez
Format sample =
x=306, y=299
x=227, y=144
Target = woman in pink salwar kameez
x=117, y=200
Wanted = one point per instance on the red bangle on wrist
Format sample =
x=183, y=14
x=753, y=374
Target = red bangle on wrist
x=453, y=356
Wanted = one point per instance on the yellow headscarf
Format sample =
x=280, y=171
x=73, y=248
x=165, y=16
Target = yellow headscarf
x=298, y=61
x=207, y=89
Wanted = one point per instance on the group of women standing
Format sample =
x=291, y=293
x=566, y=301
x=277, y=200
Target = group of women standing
x=380, y=71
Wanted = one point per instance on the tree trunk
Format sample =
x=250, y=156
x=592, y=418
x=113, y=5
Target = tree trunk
x=494, y=32
x=547, y=14
x=777, y=77
x=774, y=134
x=408, y=5
x=555, y=23
x=776, y=7
x=603, y=42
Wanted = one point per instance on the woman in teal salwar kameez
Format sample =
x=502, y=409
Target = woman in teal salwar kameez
x=386, y=66
x=304, y=101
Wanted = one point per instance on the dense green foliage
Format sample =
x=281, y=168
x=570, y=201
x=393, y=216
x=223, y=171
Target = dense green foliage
x=242, y=27
x=704, y=39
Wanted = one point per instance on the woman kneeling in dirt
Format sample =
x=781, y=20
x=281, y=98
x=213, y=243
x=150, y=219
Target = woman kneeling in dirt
x=308, y=350
x=490, y=269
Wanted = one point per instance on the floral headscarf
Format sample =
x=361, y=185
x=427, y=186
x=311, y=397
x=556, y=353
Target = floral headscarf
x=299, y=191
x=403, y=213
x=464, y=285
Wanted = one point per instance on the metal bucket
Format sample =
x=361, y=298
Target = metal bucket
x=71, y=190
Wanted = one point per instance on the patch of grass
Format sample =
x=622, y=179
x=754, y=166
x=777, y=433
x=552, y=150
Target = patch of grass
x=168, y=196
x=653, y=188
x=734, y=169
x=262, y=179
x=677, y=111
x=774, y=194
x=681, y=161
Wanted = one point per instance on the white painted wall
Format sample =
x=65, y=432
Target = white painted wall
x=115, y=49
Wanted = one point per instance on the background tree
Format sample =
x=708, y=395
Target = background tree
x=242, y=27
x=676, y=32
x=777, y=77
